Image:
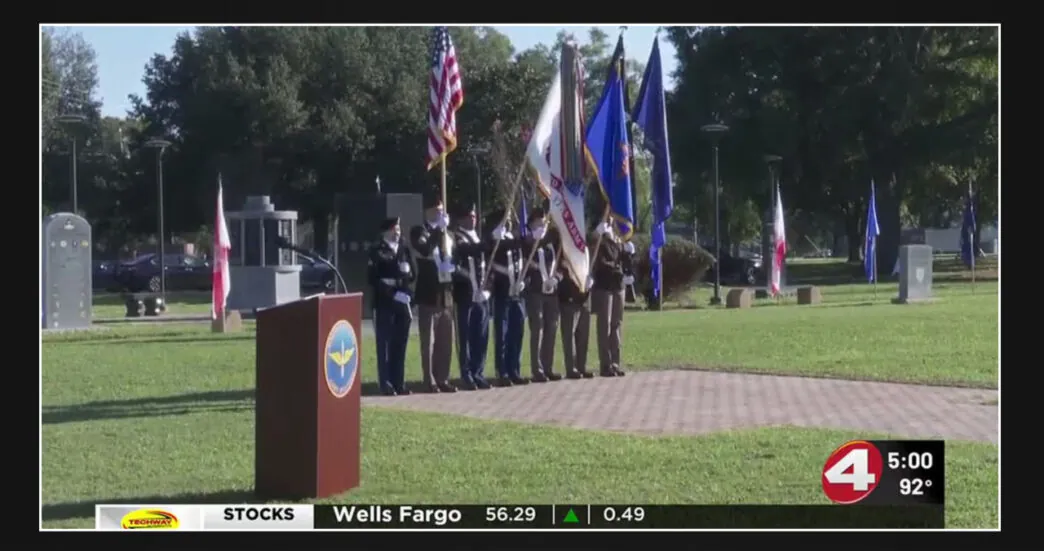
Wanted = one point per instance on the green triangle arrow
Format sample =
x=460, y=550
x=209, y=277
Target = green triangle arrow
x=571, y=518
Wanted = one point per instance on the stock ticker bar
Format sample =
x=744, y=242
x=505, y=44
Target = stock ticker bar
x=566, y=517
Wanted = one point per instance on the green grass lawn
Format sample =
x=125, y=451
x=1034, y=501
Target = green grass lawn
x=164, y=413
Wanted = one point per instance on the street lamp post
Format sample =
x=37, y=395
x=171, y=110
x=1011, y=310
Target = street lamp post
x=715, y=132
x=475, y=152
x=159, y=145
x=766, y=224
x=71, y=123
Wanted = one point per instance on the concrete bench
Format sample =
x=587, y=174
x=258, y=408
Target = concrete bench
x=809, y=295
x=739, y=298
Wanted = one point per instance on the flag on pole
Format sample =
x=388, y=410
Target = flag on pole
x=779, y=236
x=968, y=248
x=566, y=199
x=222, y=282
x=650, y=114
x=607, y=140
x=872, y=231
x=523, y=218
x=446, y=97
x=618, y=65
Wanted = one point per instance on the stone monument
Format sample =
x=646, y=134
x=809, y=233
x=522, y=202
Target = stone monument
x=262, y=274
x=65, y=281
x=915, y=274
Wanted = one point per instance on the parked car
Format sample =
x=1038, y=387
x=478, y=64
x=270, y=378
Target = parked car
x=315, y=275
x=741, y=270
x=103, y=277
x=183, y=272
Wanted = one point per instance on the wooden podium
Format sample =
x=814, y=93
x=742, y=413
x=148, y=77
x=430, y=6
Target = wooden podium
x=307, y=398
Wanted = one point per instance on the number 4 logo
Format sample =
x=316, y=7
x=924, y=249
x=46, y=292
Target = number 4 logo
x=852, y=472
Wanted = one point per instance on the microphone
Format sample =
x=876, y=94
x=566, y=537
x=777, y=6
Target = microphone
x=284, y=243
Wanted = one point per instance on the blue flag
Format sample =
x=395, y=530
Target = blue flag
x=611, y=152
x=650, y=114
x=872, y=231
x=523, y=218
x=968, y=248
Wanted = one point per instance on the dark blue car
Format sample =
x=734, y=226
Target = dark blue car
x=183, y=272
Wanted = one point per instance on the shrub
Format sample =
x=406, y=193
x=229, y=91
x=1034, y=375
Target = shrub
x=684, y=263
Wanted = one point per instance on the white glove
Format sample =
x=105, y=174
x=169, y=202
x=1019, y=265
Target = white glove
x=404, y=267
x=498, y=232
x=590, y=283
x=550, y=284
x=539, y=232
x=629, y=247
x=402, y=297
x=520, y=286
x=443, y=221
x=628, y=280
x=481, y=296
x=447, y=267
x=604, y=228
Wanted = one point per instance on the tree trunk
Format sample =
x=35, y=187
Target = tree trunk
x=321, y=230
x=888, y=206
x=851, y=222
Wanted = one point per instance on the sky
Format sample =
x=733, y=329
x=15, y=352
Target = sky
x=123, y=52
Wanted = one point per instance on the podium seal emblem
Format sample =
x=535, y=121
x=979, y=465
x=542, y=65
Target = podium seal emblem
x=341, y=358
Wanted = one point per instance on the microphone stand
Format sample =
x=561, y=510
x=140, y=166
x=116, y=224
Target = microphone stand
x=283, y=244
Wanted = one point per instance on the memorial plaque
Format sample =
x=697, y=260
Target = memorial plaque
x=66, y=278
x=915, y=273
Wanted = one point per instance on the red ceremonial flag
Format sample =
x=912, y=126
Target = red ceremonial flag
x=222, y=282
x=779, y=237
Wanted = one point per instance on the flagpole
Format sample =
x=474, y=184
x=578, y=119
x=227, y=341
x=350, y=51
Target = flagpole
x=972, y=247
x=875, y=268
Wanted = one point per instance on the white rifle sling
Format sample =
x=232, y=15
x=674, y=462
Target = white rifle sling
x=471, y=275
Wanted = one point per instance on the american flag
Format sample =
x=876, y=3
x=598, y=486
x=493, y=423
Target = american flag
x=447, y=95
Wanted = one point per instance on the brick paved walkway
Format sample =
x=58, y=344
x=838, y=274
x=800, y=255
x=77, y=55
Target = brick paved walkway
x=700, y=402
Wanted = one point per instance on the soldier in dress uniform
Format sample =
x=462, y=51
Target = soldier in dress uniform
x=390, y=274
x=471, y=300
x=434, y=294
x=611, y=273
x=541, y=296
x=508, y=313
x=575, y=318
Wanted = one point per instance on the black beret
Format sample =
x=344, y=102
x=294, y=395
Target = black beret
x=432, y=198
x=389, y=223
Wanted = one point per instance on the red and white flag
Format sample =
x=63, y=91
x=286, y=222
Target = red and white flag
x=779, y=240
x=222, y=282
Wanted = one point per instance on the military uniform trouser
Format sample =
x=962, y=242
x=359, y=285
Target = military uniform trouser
x=472, y=339
x=575, y=321
x=542, y=313
x=391, y=325
x=508, y=319
x=436, y=343
x=608, y=308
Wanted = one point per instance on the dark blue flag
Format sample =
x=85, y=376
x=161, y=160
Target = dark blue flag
x=611, y=152
x=523, y=218
x=650, y=114
x=872, y=231
x=968, y=248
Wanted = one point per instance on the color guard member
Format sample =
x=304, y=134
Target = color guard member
x=390, y=275
x=541, y=297
x=575, y=312
x=471, y=301
x=508, y=313
x=434, y=295
x=611, y=272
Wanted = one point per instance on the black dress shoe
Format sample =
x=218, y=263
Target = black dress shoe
x=503, y=381
x=587, y=374
x=607, y=372
x=573, y=375
x=468, y=384
x=402, y=391
x=388, y=390
x=619, y=372
x=554, y=377
x=434, y=389
x=516, y=380
x=539, y=377
x=447, y=388
x=482, y=384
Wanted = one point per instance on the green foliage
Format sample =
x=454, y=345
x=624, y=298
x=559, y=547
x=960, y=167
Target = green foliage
x=684, y=264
